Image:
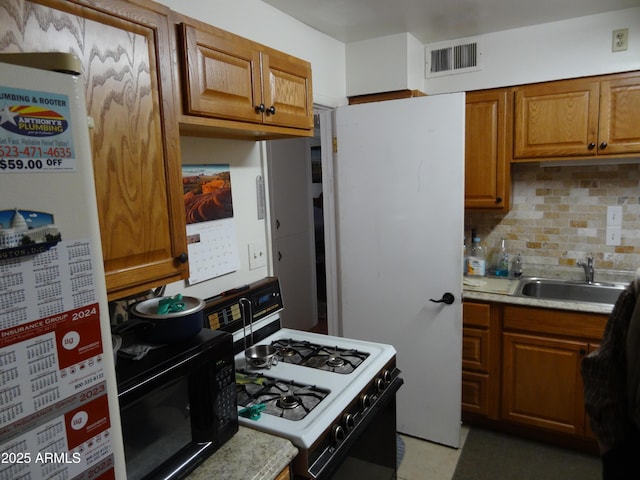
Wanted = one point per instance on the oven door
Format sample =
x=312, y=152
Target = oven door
x=370, y=450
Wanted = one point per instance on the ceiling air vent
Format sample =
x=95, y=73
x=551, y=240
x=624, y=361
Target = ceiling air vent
x=451, y=58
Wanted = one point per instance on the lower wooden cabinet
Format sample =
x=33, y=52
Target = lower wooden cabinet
x=284, y=474
x=542, y=350
x=521, y=368
x=541, y=383
x=479, y=363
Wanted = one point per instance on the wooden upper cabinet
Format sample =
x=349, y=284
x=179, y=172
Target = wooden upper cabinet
x=286, y=90
x=487, y=180
x=585, y=117
x=124, y=47
x=223, y=76
x=556, y=119
x=233, y=87
x=619, y=112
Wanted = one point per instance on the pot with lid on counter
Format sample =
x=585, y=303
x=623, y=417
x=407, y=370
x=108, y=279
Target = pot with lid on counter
x=167, y=319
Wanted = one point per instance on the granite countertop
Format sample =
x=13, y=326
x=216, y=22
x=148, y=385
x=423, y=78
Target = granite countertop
x=501, y=290
x=248, y=455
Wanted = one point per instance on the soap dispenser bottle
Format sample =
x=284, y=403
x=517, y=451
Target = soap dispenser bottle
x=502, y=260
x=477, y=259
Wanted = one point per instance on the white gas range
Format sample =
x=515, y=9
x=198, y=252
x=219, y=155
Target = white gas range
x=332, y=397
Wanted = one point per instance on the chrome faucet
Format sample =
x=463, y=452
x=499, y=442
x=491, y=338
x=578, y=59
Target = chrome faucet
x=588, y=269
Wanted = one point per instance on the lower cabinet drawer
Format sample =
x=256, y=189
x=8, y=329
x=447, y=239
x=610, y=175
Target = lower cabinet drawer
x=475, y=393
x=475, y=349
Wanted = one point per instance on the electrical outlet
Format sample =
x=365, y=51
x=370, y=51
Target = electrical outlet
x=613, y=236
x=620, y=40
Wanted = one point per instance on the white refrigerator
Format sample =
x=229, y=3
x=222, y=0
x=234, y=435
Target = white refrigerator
x=59, y=415
x=399, y=188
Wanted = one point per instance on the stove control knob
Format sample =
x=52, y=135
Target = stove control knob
x=365, y=401
x=349, y=421
x=386, y=376
x=337, y=434
x=380, y=385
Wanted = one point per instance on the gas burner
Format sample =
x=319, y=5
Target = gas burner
x=335, y=361
x=286, y=399
x=286, y=352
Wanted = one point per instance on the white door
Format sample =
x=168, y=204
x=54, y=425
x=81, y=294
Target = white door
x=292, y=231
x=399, y=193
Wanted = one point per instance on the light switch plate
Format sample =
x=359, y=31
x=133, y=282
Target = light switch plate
x=257, y=255
x=614, y=215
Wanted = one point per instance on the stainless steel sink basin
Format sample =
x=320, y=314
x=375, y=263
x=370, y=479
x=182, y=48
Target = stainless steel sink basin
x=571, y=291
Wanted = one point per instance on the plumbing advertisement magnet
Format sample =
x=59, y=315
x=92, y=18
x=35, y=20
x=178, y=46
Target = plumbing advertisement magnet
x=35, y=133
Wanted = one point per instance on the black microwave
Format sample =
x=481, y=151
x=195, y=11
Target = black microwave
x=177, y=405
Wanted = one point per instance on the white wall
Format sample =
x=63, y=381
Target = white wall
x=257, y=21
x=552, y=51
x=245, y=161
x=384, y=64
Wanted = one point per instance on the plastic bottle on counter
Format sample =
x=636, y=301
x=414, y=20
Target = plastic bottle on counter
x=477, y=259
x=502, y=260
x=517, y=267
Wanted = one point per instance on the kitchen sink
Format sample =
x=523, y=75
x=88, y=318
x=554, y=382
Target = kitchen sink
x=568, y=290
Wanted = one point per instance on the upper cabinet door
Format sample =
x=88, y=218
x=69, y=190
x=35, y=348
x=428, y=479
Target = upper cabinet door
x=223, y=75
x=619, y=111
x=233, y=87
x=487, y=180
x=286, y=90
x=556, y=119
x=124, y=47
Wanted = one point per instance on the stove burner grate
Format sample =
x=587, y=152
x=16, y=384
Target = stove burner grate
x=286, y=399
x=322, y=357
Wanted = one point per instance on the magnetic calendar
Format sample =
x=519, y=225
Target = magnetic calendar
x=211, y=234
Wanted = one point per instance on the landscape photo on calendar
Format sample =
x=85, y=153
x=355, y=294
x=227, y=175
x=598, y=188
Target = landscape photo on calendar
x=207, y=192
x=26, y=232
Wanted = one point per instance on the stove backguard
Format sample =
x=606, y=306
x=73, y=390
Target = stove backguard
x=225, y=311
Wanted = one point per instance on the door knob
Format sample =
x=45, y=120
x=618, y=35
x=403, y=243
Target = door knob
x=447, y=298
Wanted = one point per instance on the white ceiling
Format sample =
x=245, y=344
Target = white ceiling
x=435, y=20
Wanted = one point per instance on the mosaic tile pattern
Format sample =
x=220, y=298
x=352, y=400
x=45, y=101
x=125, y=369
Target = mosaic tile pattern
x=559, y=216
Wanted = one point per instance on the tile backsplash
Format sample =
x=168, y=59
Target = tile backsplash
x=559, y=216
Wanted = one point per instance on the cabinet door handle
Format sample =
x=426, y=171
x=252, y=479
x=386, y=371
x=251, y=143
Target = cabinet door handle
x=277, y=224
x=499, y=200
x=260, y=108
x=279, y=256
x=603, y=145
x=583, y=352
x=182, y=258
x=591, y=146
x=272, y=110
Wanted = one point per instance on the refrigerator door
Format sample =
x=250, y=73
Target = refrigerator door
x=399, y=183
x=59, y=409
